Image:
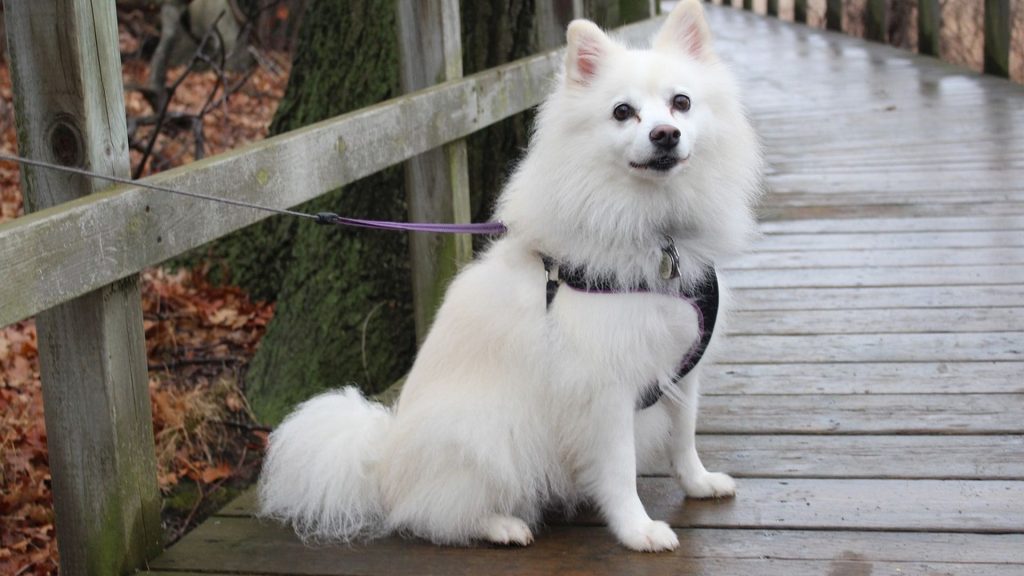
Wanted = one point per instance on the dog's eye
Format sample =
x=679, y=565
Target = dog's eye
x=623, y=112
x=681, y=102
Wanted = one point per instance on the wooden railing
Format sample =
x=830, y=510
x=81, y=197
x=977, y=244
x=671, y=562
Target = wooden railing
x=74, y=261
x=997, y=27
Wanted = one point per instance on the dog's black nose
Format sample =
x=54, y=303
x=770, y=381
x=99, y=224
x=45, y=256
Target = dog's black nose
x=665, y=137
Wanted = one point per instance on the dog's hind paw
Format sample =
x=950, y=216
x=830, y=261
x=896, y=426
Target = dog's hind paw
x=708, y=485
x=506, y=530
x=652, y=536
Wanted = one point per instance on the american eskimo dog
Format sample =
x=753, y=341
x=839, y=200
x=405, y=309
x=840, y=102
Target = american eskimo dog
x=532, y=387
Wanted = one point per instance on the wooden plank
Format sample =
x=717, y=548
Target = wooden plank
x=551, y=19
x=887, y=297
x=918, y=505
x=882, y=457
x=997, y=37
x=807, y=207
x=829, y=348
x=809, y=503
x=269, y=549
x=69, y=109
x=883, y=257
x=661, y=564
x=62, y=252
x=877, y=276
x=904, y=241
x=885, y=224
x=865, y=378
x=437, y=181
x=954, y=414
x=876, y=321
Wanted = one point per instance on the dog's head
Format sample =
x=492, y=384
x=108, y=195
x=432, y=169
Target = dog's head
x=637, y=143
x=644, y=111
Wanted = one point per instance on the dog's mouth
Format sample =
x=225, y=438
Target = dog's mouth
x=660, y=164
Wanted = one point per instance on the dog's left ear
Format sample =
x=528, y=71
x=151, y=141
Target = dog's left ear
x=686, y=30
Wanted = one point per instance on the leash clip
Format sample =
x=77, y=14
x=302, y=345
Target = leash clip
x=326, y=217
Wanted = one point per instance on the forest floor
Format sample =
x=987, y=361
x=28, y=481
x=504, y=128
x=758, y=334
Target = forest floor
x=199, y=337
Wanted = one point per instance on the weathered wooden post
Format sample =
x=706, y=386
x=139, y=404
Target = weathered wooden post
x=552, y=17
x=876, y=24
x=437, y=182
x=834, y=15
x=69, y=108
x=800, y=11
x=928, y=27
x=997, y=37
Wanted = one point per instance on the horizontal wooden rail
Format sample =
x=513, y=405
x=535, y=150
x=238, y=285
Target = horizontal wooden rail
x=54, y=255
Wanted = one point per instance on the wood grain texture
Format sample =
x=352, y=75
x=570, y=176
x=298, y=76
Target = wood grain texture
x=66, y=70
x=844, y=298
x=835, y=348
x=865, y=378
x=862, y=414
x=877, y=321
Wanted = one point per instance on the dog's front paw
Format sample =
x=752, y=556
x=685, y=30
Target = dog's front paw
x=651, y=536
x=507, y=530
x=707, y=485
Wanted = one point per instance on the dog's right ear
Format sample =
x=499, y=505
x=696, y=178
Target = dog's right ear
x=587, y=47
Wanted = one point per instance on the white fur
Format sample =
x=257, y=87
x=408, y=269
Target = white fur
x=510, y=407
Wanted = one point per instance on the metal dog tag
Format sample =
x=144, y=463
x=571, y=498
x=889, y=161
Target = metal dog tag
x=669, y=260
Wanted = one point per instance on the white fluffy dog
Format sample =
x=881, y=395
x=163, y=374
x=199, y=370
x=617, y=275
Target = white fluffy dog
x=525, y=393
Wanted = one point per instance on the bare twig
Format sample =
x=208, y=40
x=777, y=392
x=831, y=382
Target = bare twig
x=169, y=92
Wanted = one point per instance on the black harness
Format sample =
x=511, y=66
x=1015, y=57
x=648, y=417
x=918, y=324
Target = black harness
x=703, y=296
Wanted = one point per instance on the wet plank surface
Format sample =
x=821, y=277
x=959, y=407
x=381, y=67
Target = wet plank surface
x=869, y=400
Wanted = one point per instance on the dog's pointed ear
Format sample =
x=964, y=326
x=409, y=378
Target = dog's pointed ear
x=587, y=47
x=686, y=30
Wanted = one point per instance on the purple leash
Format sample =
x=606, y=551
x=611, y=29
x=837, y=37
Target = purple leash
x=493, y=228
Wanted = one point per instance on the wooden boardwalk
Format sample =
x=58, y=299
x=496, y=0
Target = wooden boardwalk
x=871, y=399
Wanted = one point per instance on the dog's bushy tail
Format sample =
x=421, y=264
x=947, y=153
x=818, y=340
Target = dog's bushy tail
x=319, y=475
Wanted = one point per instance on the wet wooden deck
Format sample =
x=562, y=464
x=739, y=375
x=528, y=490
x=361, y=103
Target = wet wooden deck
x=871, y=400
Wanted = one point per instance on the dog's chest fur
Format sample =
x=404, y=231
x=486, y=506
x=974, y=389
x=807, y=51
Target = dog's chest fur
x=629, y=339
